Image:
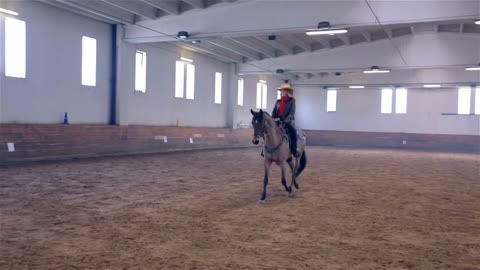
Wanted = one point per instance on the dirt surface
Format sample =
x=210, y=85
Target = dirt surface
x=356, y=209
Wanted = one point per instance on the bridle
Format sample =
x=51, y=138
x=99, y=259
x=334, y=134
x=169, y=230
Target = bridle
x=262, y=135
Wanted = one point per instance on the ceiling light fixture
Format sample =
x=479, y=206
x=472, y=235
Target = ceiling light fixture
x=8, y=12
x=432, y=86
x=356, y=87
x=324, y=28
x=376, y=69
x=473, y=68
x=477, y=22
x=183, y=34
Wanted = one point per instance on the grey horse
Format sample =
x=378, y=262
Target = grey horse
x=276, y=149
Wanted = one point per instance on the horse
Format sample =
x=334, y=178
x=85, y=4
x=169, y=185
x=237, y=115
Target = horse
x=276, y=149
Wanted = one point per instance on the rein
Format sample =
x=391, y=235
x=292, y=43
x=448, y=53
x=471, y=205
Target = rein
x=273, y=150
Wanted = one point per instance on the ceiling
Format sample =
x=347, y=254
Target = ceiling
x=399, y=35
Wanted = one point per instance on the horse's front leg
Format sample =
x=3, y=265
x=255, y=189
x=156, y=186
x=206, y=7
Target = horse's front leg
x=266, y=164
x=284, y=180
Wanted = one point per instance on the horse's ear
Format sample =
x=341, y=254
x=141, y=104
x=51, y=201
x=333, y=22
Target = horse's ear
x=261, y=111
x=252, y=112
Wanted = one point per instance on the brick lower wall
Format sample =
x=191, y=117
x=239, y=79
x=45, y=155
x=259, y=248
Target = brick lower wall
x=40, y=142
x=437, y=142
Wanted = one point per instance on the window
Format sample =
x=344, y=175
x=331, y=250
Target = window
x=141, y=71
x=387, y=100
x=218, y=88
x=179, y=79
x=331, y=100
x=401, y=100
x=262, y=95
x=240, y=92
x=477, y=100
x=183, y=68
x=464, y=100
x=89, y=61
x=15, y=48
x=190, y=81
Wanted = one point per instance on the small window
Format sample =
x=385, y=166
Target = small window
x=259, y=95
x=240, y=92
x=179, y=79
x=89, y=61
x=401, y=100
x=141, y=71
x=190, y=81
x=184, y=85
x=15, y=48
x=218, y=88
x=262, y=95
x=464, y=100
x=331, y=100
x=477, y=100
x=387, y=100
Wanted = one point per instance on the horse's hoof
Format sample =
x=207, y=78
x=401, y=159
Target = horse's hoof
x=296, y=185
x=289, y=190
x=261, y=201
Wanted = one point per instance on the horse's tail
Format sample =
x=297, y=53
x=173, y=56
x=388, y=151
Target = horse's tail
x=303, y=163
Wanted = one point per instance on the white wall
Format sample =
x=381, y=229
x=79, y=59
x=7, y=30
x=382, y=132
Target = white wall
x=158, y=106
x=359, y=110
x=53, y=76
x=250, y=96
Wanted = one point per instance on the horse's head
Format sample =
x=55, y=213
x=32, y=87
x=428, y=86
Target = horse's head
x=258, y=126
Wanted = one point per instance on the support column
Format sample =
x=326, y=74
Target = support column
x=232, y=111
x=124, y=76
x=2, y=64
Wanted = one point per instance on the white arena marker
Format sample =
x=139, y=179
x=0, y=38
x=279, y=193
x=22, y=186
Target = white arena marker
x=191, y=140
x=11, y=147
x=165, y=139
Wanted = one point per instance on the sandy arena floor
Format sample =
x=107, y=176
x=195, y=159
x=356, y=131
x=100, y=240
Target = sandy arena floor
x=356, y=209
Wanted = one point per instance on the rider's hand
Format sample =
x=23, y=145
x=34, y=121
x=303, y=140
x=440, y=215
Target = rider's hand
x=277, y=119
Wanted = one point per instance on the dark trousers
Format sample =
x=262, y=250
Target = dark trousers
x=292, y=135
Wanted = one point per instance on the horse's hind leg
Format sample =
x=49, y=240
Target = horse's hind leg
x=267, y=163
x=284, y=180
x=294, y=173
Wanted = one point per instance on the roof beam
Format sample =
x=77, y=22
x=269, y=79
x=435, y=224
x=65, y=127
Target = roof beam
x=253, y=44
x=196, y=3
x=170, y=7
x=367, y=36
x=133, y=7
x=344, y=38
x=299, y=42
x=210, y=49
x=235, y=48
x=210, y=22
x=79, y=11
x=98, y=11
x=276, y=44
x=325, y=43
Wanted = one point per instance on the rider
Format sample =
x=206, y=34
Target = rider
x=284, y=111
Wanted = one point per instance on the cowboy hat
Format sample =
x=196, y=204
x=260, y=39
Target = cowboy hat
x=287, y=87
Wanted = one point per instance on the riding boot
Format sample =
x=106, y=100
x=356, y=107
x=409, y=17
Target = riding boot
x=293, y=140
